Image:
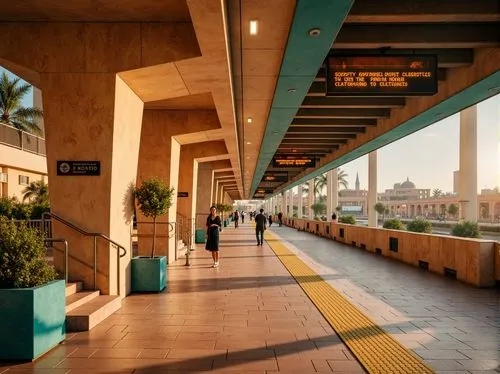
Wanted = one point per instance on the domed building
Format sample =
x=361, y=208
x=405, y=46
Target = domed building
x=406, y=190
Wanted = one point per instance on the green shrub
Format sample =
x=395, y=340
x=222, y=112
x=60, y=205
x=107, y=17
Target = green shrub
x=420, y=225
x=351, y=220
x=394, y=224
x=6, y=206
x=466, y=229
x=22, y=257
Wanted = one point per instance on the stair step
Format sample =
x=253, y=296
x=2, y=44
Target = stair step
x=78, y=299
x=87, y=316
x=73, y=287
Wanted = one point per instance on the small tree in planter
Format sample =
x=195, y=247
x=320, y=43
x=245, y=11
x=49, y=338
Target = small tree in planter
x=154, y=197
x=32, y=302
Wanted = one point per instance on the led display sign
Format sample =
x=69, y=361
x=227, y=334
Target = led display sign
x=386, y=75
x=294, y=162
x=275, y=178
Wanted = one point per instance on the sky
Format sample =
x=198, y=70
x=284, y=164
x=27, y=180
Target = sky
x=428, y=157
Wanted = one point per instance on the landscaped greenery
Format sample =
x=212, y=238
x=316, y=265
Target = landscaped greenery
x=154, y=197
x=394, y=224
x=351, y=220
x=22, y=256
x=466, y=229
x=419, y=225
x=12, y=208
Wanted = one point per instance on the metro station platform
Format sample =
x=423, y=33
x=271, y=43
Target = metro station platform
x=298, y=304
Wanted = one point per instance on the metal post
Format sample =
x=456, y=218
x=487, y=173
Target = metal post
x=118, y=271
x=66, y=256
x=95, y=262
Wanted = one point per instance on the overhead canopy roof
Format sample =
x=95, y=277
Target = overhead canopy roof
x=303, y=120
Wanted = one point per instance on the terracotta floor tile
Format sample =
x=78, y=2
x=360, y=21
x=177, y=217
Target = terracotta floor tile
x=82, y=352
x=153, y=353
x=117, y=353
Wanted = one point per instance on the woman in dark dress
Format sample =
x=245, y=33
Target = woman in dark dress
x=213, y=227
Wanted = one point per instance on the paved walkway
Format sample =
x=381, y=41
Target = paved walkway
x=249, y=315
x=454, y=327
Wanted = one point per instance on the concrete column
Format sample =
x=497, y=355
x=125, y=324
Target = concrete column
x=300, y=204
x=468, y=164
x=288, y=205
x=160, y=156
x=335, y=190
x=329, y=196
x=101, y=203
x=188, y=179
x=311, y=198
x=204, y=188
x=372, y=189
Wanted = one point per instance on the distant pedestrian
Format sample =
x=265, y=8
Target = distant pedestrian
x=280, y=218
x=213, y=227
x=242, y=217
x=236, y=219
x=334, y=218
x=260, y=226
x=270, y=220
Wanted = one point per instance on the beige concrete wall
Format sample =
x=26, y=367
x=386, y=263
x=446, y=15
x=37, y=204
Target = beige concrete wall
x=12, y=188
x=16, y=158
x=475, y=261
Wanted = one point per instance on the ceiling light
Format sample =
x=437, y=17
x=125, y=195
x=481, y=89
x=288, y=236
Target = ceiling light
x=249, y=143
x=249, y=120
x=292, y=90
x=314, y=32
x=253, y=27
x=494, y=89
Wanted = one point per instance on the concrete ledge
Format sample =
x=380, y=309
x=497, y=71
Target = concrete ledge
x=472, y=261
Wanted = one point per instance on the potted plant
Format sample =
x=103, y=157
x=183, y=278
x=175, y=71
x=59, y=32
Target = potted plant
x=32, y=301
x=149, y=274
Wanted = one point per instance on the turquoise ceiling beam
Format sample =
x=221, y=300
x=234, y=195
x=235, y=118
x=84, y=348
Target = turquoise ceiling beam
x=472, y=95
x=303, y=56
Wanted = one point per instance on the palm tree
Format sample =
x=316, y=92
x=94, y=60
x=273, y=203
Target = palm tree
x=436, y=192
x=12, y=112
x=342, y=179
x=37, y=191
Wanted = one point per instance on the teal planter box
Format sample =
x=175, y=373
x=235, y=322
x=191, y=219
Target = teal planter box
x=199, y=236
x=149, y=274
x=32, y=320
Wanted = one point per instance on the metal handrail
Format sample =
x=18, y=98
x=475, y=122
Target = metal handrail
x=95, y=235
x=65, y=242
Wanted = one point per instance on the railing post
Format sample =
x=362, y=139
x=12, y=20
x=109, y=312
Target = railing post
x=95, y=262
x=66, y=256
x=118, y=271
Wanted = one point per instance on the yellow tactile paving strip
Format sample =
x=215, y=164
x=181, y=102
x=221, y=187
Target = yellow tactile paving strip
x=376, y=350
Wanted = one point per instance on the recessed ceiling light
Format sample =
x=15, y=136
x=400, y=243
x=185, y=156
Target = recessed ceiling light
x=249, y=120
x=494, y=89
x=249, y=143
x=292, y=90
x=314, y=32
x=253, y=27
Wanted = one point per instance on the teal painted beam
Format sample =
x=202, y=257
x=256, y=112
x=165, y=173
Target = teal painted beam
x=303, y=56
x=470, y=96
